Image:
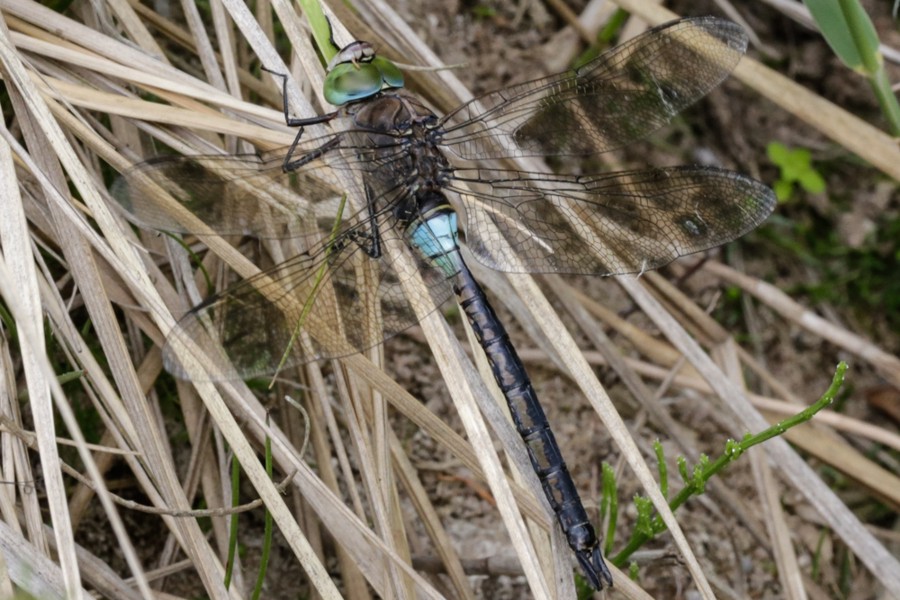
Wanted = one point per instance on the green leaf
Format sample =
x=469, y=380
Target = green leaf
x=783, y=190
x=812, y=182
x=609, y=505
x=796, y=167
x=849, y=31
x=483, y=11
x=321, y=28
x=777, y=153
x=733, y=449
x=644, y=521
x=801, y=158
x=662, y=467
x=791, y=171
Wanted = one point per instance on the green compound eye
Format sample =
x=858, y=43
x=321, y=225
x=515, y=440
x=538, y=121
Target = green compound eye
x=348, y=82
x=390, y=74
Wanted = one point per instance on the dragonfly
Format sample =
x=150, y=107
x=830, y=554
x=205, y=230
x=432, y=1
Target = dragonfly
x=374, y=207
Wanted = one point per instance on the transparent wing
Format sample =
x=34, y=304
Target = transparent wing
x=332, y=302
x=340, y=297
x=251, y=194
x=626, y=222
x=620, y=96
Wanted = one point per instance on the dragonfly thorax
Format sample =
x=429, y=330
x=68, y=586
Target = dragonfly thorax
x=401, y=131
x=393, y=112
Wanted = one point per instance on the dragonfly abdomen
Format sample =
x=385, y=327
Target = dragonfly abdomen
x=433, y=235
x=533, y=427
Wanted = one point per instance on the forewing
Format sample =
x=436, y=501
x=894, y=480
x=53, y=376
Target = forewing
x=625, y=222
x=620, y=96
x=248, y=194
x=332, y=302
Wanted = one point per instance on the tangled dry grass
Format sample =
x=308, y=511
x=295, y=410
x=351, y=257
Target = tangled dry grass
x=88, y=301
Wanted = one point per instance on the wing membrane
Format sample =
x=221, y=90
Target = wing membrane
x=250, y=194
x=332, y=302
x=621, y=96
x=625, y=222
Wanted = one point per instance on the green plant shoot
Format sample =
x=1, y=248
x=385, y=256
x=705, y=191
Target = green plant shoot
x=796, y=167
x=648, y=524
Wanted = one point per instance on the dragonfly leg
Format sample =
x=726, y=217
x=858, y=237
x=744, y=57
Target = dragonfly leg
x=369, y=241
x=292, y=164
x=289, y=163
x=374, y=250
x=288, y=119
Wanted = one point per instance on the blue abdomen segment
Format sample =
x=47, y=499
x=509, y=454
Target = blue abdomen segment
x=435, y=237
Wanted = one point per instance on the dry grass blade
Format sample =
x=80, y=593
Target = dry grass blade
x=181, y=526
x=97, y=89
x=38, y=129
x=887, y=364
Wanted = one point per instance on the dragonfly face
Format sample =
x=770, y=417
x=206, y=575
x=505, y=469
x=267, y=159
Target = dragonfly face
x=356, y=73
x=346, y=293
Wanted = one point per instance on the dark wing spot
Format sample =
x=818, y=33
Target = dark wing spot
x=692, y=225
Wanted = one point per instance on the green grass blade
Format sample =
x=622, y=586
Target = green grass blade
x=321, y=29
x=847, y=29
x=852, y=36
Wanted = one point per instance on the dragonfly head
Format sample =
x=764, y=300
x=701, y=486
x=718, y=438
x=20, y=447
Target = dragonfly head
x=356, y=73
